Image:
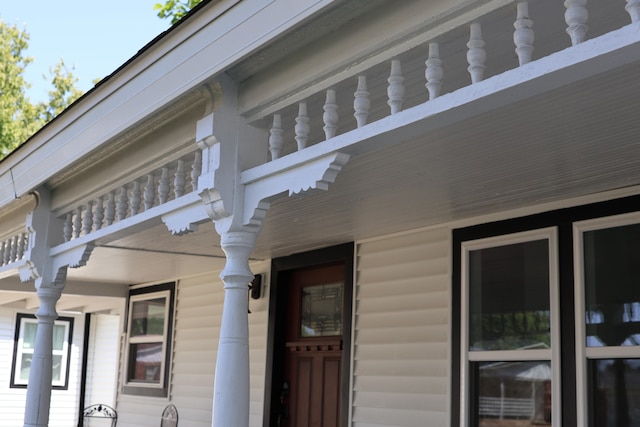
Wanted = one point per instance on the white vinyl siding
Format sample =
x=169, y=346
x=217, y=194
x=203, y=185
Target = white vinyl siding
x=401, y=331
x=64, y=403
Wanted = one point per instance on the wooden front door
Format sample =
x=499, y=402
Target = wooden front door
x=312, y=386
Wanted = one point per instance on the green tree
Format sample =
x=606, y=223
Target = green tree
x=19, y=118
x=175, y=9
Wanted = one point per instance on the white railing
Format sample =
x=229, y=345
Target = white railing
x=320, y=117
x=155, y=188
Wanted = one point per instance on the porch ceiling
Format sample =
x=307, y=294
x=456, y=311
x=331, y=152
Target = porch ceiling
x=577, y=140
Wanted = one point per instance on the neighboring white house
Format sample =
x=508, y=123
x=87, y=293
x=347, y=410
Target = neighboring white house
x=436, y=205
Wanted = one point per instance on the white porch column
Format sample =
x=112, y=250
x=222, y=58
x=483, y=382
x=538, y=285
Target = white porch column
x=39, y=387
x=231, y=388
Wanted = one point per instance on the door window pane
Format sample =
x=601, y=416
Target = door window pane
x=513, y=394
x=509, y=297
x=321, y=310
x=612, y=286
x=616, y=400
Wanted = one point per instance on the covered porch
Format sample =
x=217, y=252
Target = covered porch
x=411, y=117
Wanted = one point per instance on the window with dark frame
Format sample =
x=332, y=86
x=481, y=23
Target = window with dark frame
x=149, y=338
x=505, y=319
x=24, y=346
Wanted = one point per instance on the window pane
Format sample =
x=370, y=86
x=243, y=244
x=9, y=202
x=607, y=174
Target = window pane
x=612, y=286
x=616, y=392
x=145, y=362
x=29, y=334
x=56, y=368
x=513, y=394
x=509, y=297
x=25, y=365
x=321, y=310
x=59, y=336
x=148, y=317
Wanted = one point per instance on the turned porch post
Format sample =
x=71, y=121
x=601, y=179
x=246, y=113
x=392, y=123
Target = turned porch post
x=39, y=386
x=231, y=388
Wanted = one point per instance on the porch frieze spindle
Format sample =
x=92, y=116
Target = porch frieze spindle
x=67, y=229
x=149, y=194
x=433, y=72
x=135, y=198
x=123, y=203
x=395, y=90
x=523, y=36
x=98, y=213
x=361, y=102
x=576, y=17
x=14, y=249
x=163, y=185
x=179, y=180
x=330, y=116
x=476, y=55
x=276, y=139
x=87, y=220
x=77, y=223
x=302, y=128
x=6, y=255
x=196, y=169
x=110, y=210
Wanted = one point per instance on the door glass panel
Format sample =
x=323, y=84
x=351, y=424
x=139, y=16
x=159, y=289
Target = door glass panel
x=513, y=394
x=321, y=310
x=616, y=400
x=612, y=286
x=509, y=297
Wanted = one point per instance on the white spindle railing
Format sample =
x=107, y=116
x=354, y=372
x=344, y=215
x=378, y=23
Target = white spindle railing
x=433, y=72
x=367, y=104
x=155, y=188
x=523, y=35
x=12, y=249
x=361, y=102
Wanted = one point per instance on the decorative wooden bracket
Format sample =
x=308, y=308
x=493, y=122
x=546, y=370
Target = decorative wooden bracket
x=315, y=174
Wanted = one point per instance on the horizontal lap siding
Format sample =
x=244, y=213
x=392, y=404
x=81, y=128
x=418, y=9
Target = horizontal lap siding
x=401, y=331
x=64, y=403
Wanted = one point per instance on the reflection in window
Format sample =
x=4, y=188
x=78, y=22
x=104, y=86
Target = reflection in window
x=148, y=346
x=509, y=297
x=26, y=327
x=612, y=286
x=321, y=310
x=513, y=393
x=616, y=400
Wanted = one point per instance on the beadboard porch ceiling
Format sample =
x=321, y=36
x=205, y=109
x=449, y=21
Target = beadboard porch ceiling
x=574, y=141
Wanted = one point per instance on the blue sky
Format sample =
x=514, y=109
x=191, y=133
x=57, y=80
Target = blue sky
x=94, y=37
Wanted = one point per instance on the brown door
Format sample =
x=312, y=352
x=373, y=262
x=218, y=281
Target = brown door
x=313, y=347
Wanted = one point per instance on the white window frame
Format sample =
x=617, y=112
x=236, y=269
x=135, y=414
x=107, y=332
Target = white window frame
x=160, y=385
x=24, y=319
x=583, y=353
x=552, y=354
